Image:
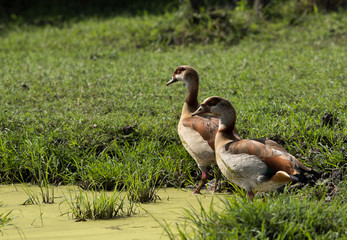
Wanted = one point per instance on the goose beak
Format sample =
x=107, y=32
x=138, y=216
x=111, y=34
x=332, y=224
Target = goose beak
x=202, y=109
x=172, y=80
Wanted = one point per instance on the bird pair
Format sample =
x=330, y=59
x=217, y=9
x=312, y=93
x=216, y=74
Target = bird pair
x=208, y=133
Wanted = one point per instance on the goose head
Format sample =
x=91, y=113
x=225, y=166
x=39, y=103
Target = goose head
x=215, y=105
x=220, y=107
x=185, y=74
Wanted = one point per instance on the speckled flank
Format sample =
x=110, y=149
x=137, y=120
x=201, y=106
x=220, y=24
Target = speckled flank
x=246, y=171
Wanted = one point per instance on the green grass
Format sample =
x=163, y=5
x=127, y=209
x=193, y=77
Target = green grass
x=68, y=98
x=84, y=205
x=5, y=219
x=281, y=217
x=85, y=102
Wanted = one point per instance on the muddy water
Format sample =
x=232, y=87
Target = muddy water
x=45, y=221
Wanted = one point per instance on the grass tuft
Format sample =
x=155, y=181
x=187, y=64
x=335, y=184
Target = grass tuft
x=143, y=188
x=94, y=205
x=5, y=219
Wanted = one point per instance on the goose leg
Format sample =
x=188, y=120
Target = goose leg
x=216, y=187
x=251, y=195
x=202, y=183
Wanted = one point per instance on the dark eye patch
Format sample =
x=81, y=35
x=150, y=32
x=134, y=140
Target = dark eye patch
x=213, y=101
x=179, y=70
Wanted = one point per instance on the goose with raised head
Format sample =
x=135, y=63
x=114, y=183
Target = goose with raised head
x=197, y=133
x=250, y=164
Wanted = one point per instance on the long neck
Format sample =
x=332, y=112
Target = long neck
x=192, y=94
x=226, y=129
x=191, y=103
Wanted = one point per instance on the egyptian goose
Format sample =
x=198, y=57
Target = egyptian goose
x=197, y=133
x=250, y=164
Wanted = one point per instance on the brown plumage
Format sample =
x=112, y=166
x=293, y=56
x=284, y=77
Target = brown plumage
x=251, y=164
x=197, y=133
x=207, y=126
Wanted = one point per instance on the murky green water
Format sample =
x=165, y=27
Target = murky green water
x=45, y=221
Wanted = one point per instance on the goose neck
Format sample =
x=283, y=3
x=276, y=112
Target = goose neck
x=227, y=123
x=192, y=94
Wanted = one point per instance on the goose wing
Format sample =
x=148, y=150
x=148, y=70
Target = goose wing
x=206, y=126
x=274, y=158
